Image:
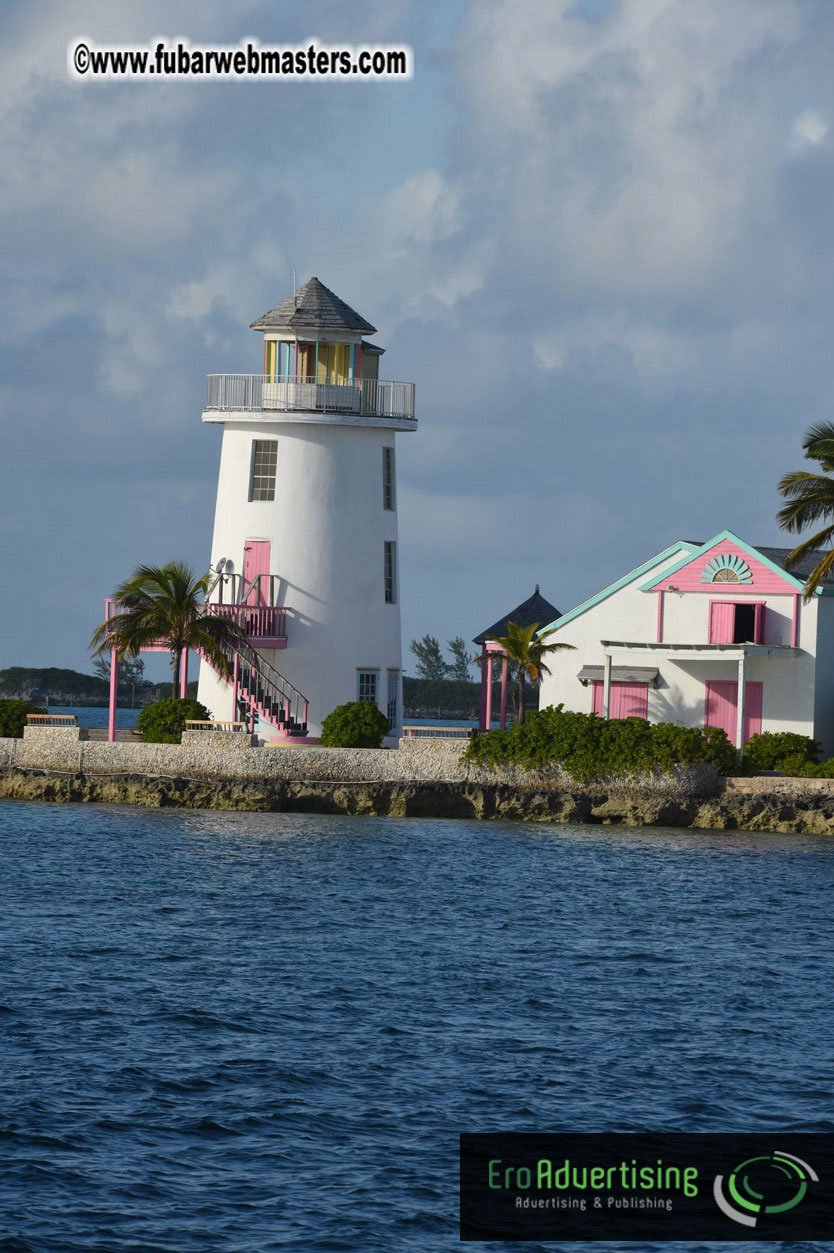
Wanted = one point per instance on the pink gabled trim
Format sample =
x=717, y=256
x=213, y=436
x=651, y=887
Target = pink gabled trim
x=688, y=577
x=795, y=624
x=660, y=595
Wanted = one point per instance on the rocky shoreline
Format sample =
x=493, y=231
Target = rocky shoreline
x=734, y=808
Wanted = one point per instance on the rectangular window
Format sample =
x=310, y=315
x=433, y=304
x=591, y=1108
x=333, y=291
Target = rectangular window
x=264, y=469
x=390, y=572
x=388, y=478
x=393, y=710
x=366, y=687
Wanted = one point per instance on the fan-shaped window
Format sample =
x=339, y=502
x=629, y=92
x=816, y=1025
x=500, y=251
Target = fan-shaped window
x=727, y=568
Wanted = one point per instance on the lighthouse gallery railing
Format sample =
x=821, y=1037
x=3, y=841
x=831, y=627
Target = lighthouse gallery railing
x=263, y=392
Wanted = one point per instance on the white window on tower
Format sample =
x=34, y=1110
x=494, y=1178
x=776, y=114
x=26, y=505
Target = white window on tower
x=367, y=683
x=388, y=499
x=264, y=469
x=393, y=709
x=390, y=572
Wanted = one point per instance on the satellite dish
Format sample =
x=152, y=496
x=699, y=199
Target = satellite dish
x=218, y=565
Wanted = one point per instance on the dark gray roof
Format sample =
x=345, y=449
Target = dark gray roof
x=779, y=557
x=534, y=609
x=373, y=350
x=313, y=307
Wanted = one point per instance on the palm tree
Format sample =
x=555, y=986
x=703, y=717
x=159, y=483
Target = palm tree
x=526, y=652
x=811, y=498
x=166, y=605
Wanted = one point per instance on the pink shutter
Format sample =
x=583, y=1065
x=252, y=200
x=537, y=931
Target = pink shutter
x=752, y=709
x=759, y=623
x=722, y=621
x=629, y=700
x=720, y=706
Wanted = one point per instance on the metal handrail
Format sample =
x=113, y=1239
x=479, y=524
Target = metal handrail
x=285, y=393
x=295, y=703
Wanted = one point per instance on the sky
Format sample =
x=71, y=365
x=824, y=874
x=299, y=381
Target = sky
x=594, y=233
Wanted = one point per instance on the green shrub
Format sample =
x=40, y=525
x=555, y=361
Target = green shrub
x=771, y=750
x=164, y=721
x=13, y=715
x=588, y=747
x=358, y=724
x=825, y=770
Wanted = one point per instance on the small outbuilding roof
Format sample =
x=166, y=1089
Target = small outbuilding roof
x=779, y=557
x=314, y=307
x=534, y=609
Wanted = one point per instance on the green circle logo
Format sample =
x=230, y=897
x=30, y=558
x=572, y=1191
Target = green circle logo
x=771, y=1184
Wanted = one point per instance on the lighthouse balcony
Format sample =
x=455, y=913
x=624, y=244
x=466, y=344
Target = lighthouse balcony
x=265, y=626
x=363, y=401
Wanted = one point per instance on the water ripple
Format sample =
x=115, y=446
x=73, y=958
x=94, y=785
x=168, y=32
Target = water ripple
x=251, y=1032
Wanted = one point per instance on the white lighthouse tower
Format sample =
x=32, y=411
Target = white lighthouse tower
x=305, y=531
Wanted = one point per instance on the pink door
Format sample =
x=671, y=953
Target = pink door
x=256, y=562
x=628, y=700
x=721, y=708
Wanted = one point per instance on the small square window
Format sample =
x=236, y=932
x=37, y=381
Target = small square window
x=264, y=469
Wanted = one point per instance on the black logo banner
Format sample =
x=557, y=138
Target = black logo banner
x=657, y=1186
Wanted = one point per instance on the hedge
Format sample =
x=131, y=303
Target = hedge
x=588, y=747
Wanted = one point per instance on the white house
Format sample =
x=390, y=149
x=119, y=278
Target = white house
x=305, y=531
x=677, y=640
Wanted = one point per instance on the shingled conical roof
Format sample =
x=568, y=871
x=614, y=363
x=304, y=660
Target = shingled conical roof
x=314, y=307
x=534, y=609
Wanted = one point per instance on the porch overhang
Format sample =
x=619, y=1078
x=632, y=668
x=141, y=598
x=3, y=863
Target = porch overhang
x=620, y=674
x=700, y=652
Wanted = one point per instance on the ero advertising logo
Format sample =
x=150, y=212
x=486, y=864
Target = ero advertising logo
x=584, y=1186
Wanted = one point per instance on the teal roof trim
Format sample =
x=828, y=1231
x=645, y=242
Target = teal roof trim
x=627, y=578
x=718, y=539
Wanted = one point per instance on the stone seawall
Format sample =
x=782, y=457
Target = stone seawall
x=422, y=778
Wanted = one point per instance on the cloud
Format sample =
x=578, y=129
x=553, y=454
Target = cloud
x=808, y=130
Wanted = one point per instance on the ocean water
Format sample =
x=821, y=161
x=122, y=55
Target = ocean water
x=94, y=716
x=262, y=1031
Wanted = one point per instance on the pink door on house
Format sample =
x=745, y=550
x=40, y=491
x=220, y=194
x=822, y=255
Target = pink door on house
x=256, y=553
x=721, y=708
x=628, y=700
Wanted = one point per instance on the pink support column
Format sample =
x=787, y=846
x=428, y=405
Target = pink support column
x=504, y=667
x=482, y=720
x=114, y=685
x=489, y=695
x=660, y=616
x=797, y=600
x=235, y=688
x=184, y=675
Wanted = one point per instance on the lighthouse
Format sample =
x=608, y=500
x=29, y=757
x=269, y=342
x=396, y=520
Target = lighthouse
x=305, y=555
